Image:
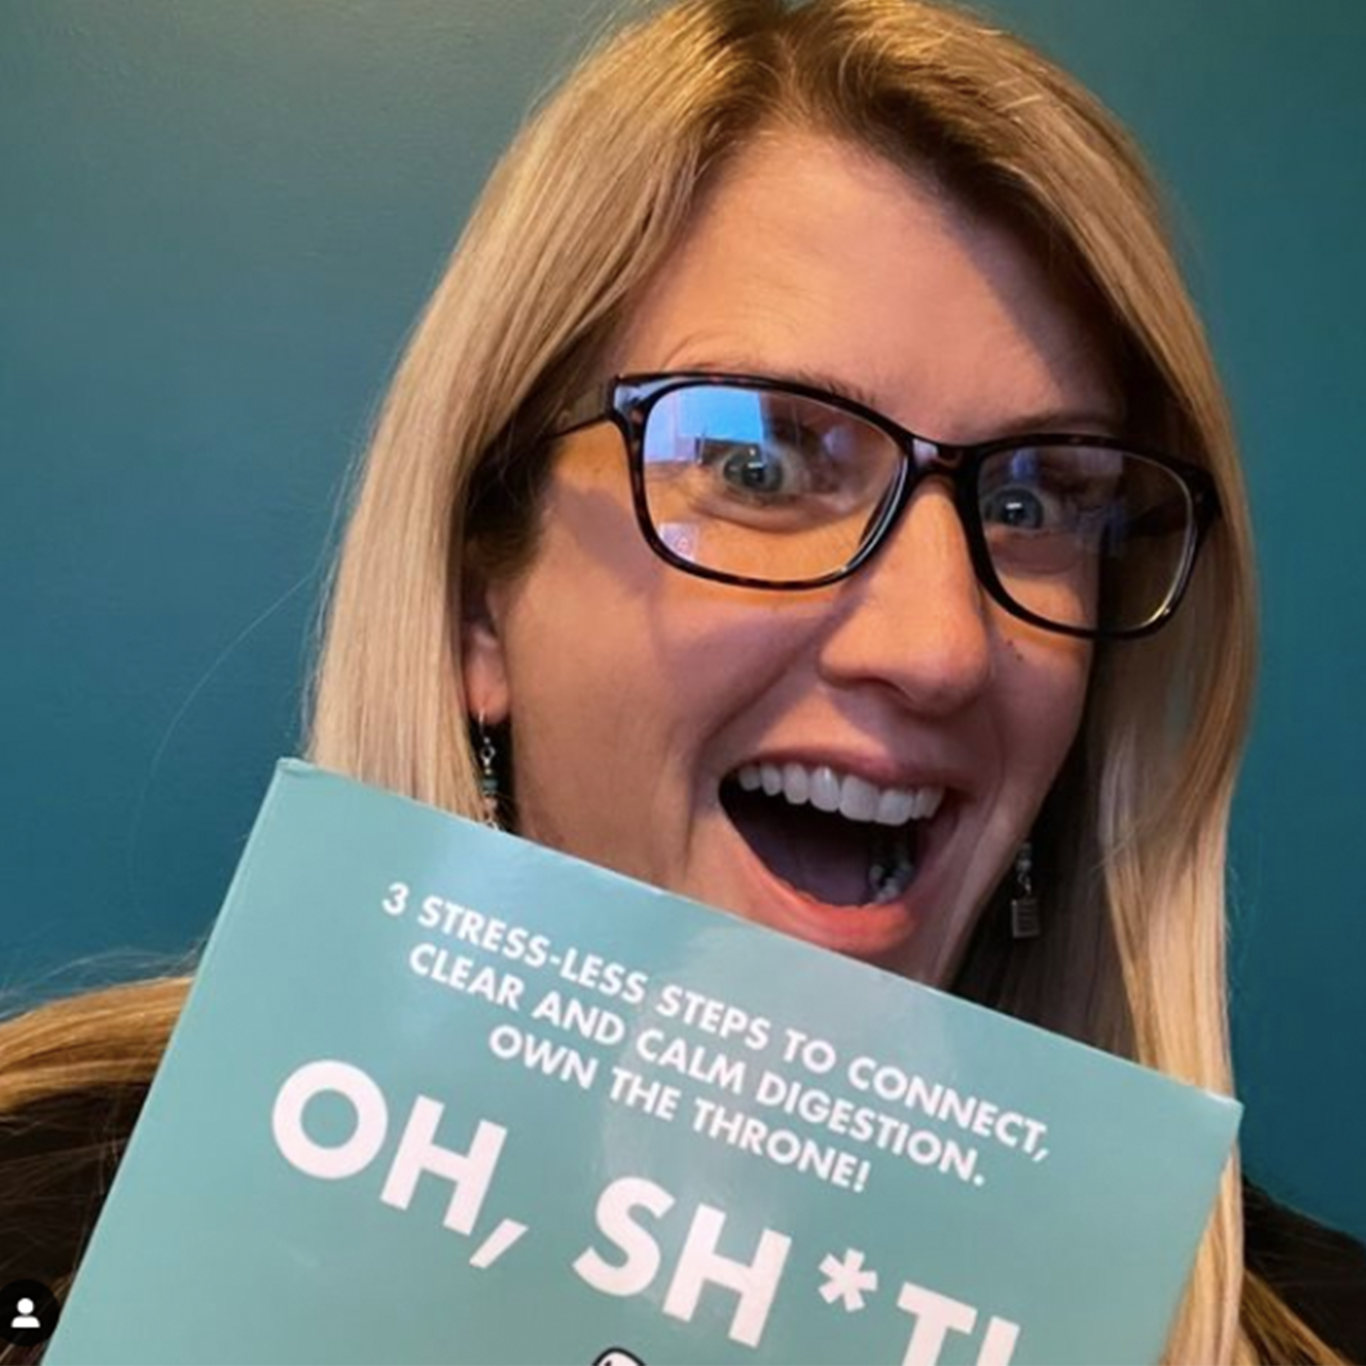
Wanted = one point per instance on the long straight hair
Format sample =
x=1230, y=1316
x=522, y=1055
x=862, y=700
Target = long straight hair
x=597, y=190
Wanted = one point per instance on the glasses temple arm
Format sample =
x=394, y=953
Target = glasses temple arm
x=588, y=408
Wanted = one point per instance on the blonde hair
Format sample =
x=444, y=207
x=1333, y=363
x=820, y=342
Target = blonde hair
x=584, y=208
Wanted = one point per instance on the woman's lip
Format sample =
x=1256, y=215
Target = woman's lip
x=871, y=932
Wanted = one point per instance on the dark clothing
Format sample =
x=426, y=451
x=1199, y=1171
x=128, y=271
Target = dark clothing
x=1319, y=1273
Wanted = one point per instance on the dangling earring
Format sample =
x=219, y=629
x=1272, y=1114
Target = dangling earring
x=1024, y=905
x=488, y=773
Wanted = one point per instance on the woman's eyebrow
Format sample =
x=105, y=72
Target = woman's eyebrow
x=786, y=374
x=1100, y=421
x=1103, y=421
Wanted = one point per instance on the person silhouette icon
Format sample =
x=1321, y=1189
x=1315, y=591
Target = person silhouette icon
x=25, y=1317
x=29, y=1314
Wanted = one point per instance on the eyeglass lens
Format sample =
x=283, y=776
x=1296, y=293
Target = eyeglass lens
x=781, y=488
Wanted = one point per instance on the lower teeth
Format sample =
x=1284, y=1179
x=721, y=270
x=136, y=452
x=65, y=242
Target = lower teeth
x=891, y=870
x=888, y=884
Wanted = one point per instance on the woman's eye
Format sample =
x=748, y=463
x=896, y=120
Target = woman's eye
x=756, y=470
x=1017, y=508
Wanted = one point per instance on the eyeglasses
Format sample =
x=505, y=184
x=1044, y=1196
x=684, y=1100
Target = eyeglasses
x=769, y=484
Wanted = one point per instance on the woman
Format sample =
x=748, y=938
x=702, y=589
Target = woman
x=709, y=524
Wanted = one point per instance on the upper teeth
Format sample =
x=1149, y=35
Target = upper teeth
x=854, y=798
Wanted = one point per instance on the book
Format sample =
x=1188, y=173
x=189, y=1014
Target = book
x=439, y=1094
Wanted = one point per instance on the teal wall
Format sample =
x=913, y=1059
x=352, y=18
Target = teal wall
x=217, y=222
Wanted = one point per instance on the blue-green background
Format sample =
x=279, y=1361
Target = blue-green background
x=216, y=224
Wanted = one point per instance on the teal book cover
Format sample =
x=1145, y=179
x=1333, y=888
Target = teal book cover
x=441, y=1095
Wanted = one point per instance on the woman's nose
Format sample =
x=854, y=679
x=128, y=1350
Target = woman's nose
x=914, y=617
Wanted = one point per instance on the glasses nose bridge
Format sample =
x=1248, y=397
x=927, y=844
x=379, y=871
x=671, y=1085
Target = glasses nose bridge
x=927, y=457
x=923, y=459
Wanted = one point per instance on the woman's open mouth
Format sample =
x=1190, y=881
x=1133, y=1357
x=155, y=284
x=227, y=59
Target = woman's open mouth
x=836, y=838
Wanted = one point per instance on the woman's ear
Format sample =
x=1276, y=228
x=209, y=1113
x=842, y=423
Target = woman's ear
x=483, y=662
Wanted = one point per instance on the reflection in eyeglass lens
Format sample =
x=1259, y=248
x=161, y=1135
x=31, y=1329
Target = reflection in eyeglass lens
x=774, y=485
x=1085, y=536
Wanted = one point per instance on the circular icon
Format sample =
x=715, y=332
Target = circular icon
x=28, y=1313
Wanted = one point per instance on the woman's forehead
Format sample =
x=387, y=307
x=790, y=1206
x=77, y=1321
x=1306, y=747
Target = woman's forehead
x=811, y=257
